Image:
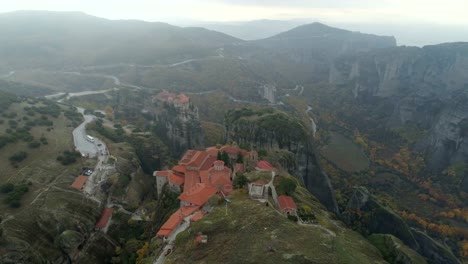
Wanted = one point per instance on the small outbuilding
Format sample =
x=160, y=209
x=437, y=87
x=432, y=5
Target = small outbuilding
x=104, y=220
x=287, y=205
x=79, y=182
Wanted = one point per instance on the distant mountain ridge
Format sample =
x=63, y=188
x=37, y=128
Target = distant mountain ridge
x=56, y=39
x=319, y=43
x=253, y=30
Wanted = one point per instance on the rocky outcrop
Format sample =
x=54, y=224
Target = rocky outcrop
x=180, y=127
x=270, y=129
x=268, y=92
x=378, y=219
x=435, y=252
x=375, y=218
x=427, y=87
x=51, y=230
x=394, y=251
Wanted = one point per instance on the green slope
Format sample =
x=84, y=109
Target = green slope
x=251, y=232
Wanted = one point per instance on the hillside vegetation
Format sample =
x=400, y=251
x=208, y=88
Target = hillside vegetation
x=65, y=39
x=40, y=210
x=250, y=232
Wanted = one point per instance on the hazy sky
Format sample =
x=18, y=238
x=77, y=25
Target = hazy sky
x=447, y=12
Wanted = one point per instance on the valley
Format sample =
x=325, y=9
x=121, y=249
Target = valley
x=373, y=135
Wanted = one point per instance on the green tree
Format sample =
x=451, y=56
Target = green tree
x=225, y=158
x=240, y=181
x=219, y=157
x=287, y=186
x=240, y=158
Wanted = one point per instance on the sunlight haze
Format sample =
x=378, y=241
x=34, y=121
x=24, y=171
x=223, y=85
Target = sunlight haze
x=400, y=11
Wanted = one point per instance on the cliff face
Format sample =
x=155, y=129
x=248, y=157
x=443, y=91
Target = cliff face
x=270, y=129
x=51, y=231
x=378, y=219
x=180, y=127
x=426, y=86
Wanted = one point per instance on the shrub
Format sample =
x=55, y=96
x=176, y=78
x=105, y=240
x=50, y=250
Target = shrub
x=14, y=204
x=18, y=157
x=7, y=187
x=68, y=157
x=240, y=181
x=124, y=180
x=287, y=186
x=292, y=218
x=14, y=197
x=43, y=140
x=12, y=123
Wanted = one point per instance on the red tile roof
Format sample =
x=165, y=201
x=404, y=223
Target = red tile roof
x=191, y=179
x=204, y=177
x=286, y=202
x=198, y=195
x=79, y=182
x=264, y=165
x=182, y=99
x=234, y=150
x=188, y=210
x=197, y=216
x=175, y=219
x=164, y=95
x=176, y=179
x=220, y=178
x=164, y=232
x=187, y=157
x=212, y=151
x=105, y=217
x=162, y=173
x=198, y=159
x=240, y=168
x=179, y=169
x=208, y=163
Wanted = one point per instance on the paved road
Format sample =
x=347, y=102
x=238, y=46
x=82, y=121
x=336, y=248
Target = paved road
x=84, y=146
x=101, y=171
x=70, y=95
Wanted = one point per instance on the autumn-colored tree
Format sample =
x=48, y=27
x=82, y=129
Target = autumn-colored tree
x=142, y=253
x=109, y=112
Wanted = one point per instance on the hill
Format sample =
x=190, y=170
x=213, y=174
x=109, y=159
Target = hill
x=63, y=39
x=316, y=43
x=247, y=231
x=253, y=30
